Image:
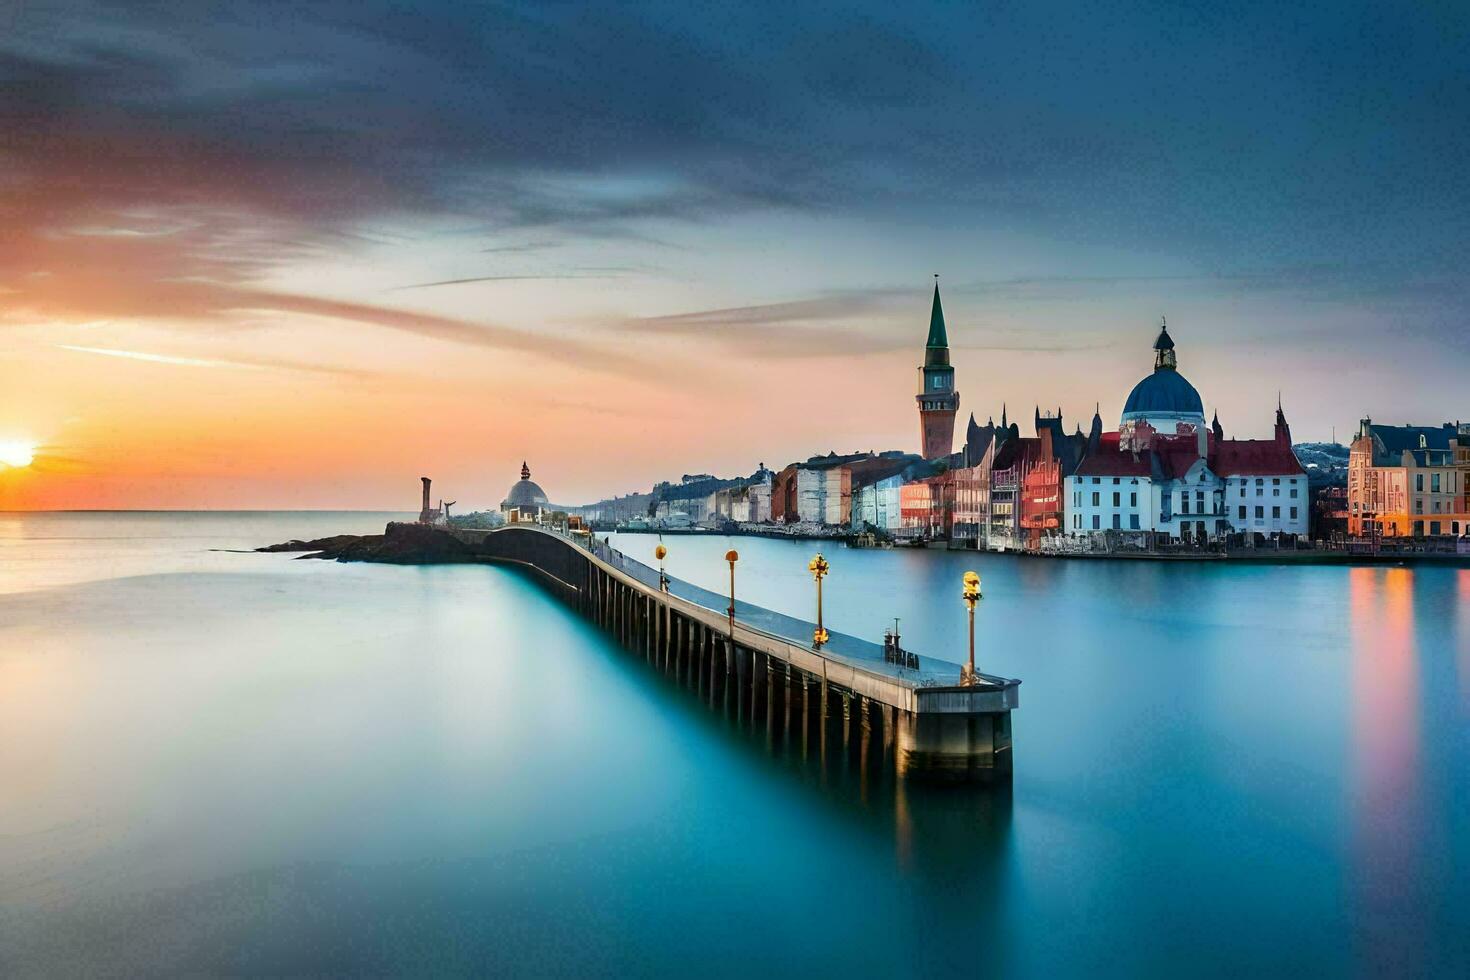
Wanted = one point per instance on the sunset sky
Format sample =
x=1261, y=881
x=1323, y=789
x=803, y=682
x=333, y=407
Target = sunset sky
x=274, y=256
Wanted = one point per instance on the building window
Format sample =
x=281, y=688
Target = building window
x=1260, y=512
x=1096, y=498
x=1133, y=499
x=1133, y=521
x=1096, y=522
x=1293, y=513
x=1276, y=482
x=1199, y=501
x=1276, y=513
x=1434, y=528
x=1184, y=503
x=1118, y=522
x=1434, y=483
x=1418, y=506
x=1116, y=481
x=1293, y=493
x=1096, y=480
x=1260, y=482
x=1116, y=499
x=1242, y=512
x=1419, y=482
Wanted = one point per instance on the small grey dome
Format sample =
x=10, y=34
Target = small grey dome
x=525, y=493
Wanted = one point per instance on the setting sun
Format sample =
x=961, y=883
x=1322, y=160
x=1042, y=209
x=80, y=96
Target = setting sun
x=17, y=454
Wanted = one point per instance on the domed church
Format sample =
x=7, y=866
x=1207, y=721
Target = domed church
x=1167, y=476
x=526, y=501
x=1164, y=403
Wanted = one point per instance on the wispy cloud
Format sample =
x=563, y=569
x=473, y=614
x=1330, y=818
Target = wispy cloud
x=136, y=355
x=245, y=364
x=472, y=279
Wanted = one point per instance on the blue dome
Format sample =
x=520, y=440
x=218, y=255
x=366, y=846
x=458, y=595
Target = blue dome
x=1164, y=391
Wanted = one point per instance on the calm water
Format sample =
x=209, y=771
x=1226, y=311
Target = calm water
x=215, y=762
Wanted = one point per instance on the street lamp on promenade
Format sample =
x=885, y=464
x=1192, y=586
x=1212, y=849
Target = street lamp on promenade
x=818, y=567
x=663, y=580
x=968, y=677
x=732, y=556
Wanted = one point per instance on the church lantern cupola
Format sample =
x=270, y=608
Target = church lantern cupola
x=1164, y=358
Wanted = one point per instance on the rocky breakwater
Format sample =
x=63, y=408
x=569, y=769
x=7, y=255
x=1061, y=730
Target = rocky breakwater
x=400, y=544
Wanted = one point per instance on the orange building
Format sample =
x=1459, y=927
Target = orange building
x=1409, y=481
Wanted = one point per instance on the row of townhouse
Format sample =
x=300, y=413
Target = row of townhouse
x=822, y=489
x=746, y=503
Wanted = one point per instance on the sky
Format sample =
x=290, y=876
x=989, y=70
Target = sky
x=262, y=255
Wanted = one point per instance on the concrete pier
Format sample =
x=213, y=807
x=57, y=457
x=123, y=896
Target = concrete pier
x=856, y=703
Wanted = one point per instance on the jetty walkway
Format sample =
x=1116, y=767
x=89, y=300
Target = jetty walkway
x=850, y=689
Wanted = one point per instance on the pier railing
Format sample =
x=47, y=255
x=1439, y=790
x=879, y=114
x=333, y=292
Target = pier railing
x=922, y=671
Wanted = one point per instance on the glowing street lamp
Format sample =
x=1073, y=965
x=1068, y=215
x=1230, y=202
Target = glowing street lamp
x=663, y=580
x=818, y=567
x=732, y=556
x=968, y=677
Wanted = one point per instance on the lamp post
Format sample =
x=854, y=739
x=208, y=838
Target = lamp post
x=663, y=580
x=732, y=556
x=818, y=567
x=968, y=677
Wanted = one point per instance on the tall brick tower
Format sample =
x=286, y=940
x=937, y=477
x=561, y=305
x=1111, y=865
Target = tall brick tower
x=938, y=401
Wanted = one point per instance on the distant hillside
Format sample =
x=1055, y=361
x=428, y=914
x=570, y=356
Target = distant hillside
x=1325, y=462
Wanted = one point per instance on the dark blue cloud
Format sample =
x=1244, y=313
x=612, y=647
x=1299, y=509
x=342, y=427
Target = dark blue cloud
x=1245, y=139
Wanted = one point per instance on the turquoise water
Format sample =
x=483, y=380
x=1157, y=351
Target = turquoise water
x=215, y=762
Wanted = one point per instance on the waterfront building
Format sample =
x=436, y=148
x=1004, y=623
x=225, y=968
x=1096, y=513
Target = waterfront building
x=760, y=499
x=1042, y=509
x=926, y=506
x=937, y=399
x=820, y=490
x=971, y=511
x=1111, y=490
x=971, y=514
x=812, y=490
x=1265, y=485
x=526, y=501
x=1012, y=460
x=1409, y=481
x=878, y=505
x=746, y=502
x=1170, y=477
x=692, y=500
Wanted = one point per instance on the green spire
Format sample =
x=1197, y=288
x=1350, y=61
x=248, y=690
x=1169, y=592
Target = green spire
x=937, y=336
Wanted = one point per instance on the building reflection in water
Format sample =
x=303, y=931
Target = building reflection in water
x=1462, y=636
x=1385, y=777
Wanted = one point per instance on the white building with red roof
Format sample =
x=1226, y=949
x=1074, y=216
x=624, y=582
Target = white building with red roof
x=1165, y=473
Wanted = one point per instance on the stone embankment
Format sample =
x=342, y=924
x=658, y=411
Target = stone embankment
x=400, y=544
